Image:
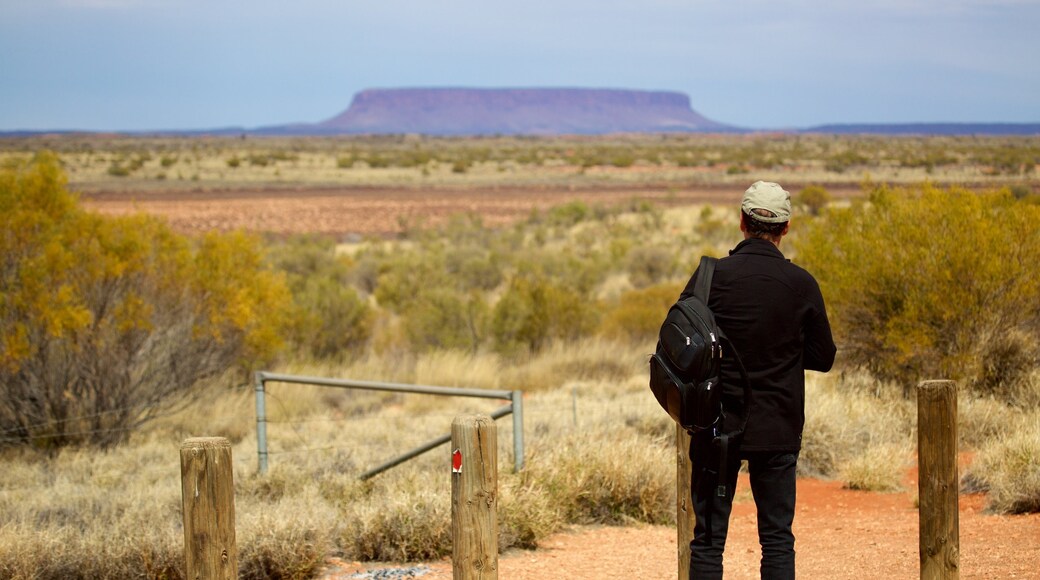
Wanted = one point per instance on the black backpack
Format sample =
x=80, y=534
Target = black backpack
x=684, y=372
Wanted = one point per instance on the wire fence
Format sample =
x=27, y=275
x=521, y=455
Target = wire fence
x=393, y=429
x=353, y=432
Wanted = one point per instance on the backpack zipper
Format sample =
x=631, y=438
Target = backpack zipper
x=690, y=312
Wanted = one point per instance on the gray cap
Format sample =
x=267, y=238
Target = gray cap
x=768, y=196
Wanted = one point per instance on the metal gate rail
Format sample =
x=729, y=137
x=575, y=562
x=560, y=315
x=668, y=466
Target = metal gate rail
x=515, y=407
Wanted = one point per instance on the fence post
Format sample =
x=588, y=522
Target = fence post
x=474, y=497
x=518, y=430
x=208, y=503
x=261, y=424
x=937, y=485
x=684, y=516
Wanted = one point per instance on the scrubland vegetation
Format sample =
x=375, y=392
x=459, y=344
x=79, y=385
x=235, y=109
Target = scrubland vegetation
x=921, y=282
x=143, y=164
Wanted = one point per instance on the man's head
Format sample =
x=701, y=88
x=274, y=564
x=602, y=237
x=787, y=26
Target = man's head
x=765, y=211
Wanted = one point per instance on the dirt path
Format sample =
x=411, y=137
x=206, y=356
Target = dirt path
x=840, y=534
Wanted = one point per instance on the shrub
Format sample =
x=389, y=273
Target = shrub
x=916, y=279
x=632, y=482
x=639, y=313
x=443, y=318
x=107, y=322
x=622, y=160
x=403, y=275
x=1009, y=469
x=879, y=467
x=814, y=198
x=569, y=213
x=839, y=162
x=843, y=420
x=526, y=514
x=1007, y=360
x=292, y=547
x=415, y=525
x=578, y=360
x=118, y=170
x=330, y=317
x=648, y=265
x=712, y=227
x=259, y=160
x=471, y=267
x=533, y=311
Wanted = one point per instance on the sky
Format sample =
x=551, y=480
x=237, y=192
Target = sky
x=126, y=65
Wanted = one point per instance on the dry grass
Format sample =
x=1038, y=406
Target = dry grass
x=846, y=416
x=1008, y=467
x=598, y=450
x=879, y=467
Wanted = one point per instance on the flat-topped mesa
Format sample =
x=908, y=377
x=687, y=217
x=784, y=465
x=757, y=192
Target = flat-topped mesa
x=459, y=111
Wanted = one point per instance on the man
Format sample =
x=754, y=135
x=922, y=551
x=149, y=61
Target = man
x=773, y=314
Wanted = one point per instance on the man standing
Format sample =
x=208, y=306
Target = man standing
x=773, y=314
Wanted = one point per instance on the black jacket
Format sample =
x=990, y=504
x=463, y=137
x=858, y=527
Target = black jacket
x=773, y=313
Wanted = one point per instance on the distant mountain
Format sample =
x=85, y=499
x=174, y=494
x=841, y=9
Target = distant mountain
x=928, y=129
x=518, y=112
x=547, y=111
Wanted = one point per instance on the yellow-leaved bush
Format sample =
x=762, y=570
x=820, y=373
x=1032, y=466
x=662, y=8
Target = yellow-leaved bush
x=106, y=322
x=930, y=283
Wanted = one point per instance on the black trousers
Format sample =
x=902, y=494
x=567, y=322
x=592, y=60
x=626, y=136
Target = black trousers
x=773, y=487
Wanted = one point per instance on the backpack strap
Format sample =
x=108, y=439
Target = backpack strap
x=723, y=478
x=702, y=289
x=705, y=272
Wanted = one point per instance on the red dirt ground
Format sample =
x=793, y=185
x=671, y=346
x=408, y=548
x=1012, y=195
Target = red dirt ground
x=840, y=534
x=344, y=211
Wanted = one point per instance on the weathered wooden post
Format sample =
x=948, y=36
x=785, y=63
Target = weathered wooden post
x=684, y=517
x=208, y=500
x=474, y=497
x=937, y=485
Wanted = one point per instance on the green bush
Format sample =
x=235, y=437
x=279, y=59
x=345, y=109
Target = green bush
x=639, y=313
x=920, y=282
x=471, y=267
x=330, y=319
x=118, y=170
x=649, y=265
x=813, y=198
x=569, y=213
x=534, y=311
x=404, y=274
x=440, y=317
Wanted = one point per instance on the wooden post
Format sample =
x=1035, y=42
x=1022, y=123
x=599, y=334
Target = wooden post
x=937, y=485
x=208, y=500
x=684, y=516
x=474, y=498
